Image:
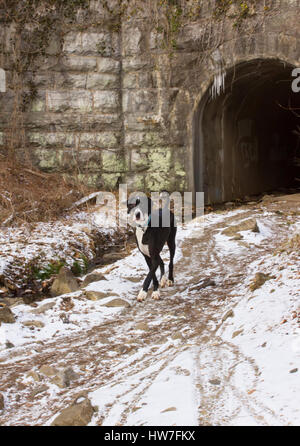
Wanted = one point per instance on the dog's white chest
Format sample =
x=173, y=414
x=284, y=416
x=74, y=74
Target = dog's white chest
x=139, y=236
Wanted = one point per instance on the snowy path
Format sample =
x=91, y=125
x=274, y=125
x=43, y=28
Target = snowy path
x=185, y=360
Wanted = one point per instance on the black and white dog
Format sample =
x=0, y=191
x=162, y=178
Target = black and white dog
x=154, y=228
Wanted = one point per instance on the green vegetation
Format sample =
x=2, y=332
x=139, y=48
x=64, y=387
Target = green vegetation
x=47, y=271
x=80, y=266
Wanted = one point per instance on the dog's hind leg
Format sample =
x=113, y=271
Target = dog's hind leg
x=172, y=247
x=156, y=293
x=163, y=278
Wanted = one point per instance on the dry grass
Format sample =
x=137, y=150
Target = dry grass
x=28, y=195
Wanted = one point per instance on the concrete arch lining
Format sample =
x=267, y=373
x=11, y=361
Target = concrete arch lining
x=243, y=140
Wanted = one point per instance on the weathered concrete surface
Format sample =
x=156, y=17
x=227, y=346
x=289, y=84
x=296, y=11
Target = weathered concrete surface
x=112, y=102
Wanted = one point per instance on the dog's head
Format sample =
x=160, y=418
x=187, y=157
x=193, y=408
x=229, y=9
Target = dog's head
x=139, y=207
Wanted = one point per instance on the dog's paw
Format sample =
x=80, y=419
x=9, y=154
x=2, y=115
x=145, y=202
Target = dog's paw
x=142, y=296
x=163, y=282
x=156, y=295
x=170, y=282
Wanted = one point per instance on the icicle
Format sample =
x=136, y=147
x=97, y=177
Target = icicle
x=2, y=81
x=218, y=85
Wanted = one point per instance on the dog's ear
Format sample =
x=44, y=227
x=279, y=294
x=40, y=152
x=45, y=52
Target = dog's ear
x=132, y=203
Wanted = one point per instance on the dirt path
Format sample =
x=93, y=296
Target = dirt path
x=126, y=360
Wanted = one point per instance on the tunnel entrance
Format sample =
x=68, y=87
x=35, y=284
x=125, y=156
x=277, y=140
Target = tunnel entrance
x=244, y=139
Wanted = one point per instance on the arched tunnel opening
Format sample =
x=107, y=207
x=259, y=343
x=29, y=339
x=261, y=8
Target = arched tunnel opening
x=245, y=139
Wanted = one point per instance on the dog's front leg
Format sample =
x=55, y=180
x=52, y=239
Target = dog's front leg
x=153, y=265
x=143, y=293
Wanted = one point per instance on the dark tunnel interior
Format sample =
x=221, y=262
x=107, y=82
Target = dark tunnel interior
x=244, y=139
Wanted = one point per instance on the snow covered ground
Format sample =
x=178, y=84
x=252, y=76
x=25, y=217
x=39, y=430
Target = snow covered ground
x=85, y=313
x=266, y=326
x=215, y=353
x=30, y=248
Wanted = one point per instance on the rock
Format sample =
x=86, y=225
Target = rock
x=122, y=349
x=226, y=315
x=112, y=257
x=106, y=101
x=108, y=65
x=132, y=42
x=117, y=303
x=132, y=279
x=7, y=316
x=43, y=308
x=37, y=324
x=48, y=370
x=9, y=344
x=267, y=198
x=58, y=381
x=103, y=340
x=169, y=409
x=34, y=375
x=162, y=340
x=215, y=381
x=66, y=304
x=17, y=302
x=96, y=295
x=37, y=390
x=70, y=375
x=229, y=204
x=176, y=336
x=64, y=378
x=142, y=326
x=203, y=284
x=1, y=402
x=246, y=225
x=10, y=285
x=237, y=333
x=237, y=237
x=64, y=283
x=80, y=397
x=93, y=277
x=294, y=370
x=78, y=414
x=13, y=301
x=259, y=280
x=65, y=318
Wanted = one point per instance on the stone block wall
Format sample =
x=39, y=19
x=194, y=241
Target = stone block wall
x=111, y=105
x=81, y=110
x=100, y=105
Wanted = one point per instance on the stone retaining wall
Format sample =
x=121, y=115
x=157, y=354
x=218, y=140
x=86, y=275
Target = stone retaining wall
x=113, y=107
